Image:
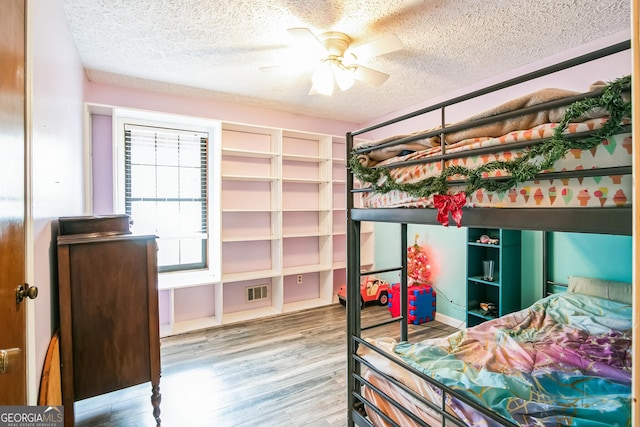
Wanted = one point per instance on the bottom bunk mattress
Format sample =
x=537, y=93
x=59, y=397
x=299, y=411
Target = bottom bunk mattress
x=566, y=360
x=607, y=189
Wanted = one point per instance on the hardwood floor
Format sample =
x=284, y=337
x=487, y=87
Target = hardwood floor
x=283, y=371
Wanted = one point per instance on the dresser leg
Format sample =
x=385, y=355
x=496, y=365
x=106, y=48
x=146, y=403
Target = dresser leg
x=155, y=401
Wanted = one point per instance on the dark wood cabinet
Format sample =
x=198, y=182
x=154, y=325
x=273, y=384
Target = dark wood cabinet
x=109, y=327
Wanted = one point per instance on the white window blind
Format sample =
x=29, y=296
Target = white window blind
x=166, y=192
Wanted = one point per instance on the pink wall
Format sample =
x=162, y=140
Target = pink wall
x=100, y=93
x=56, y=144
x=115, y=96
x=102, y=164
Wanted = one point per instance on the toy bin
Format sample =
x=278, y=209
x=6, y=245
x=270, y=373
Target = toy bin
x=421, y=303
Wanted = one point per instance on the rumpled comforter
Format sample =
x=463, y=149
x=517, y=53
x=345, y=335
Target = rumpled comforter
x=566, y=360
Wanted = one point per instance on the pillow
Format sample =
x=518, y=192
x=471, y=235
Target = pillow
x=607, y=289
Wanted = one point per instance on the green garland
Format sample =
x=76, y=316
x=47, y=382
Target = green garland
x=524, y=168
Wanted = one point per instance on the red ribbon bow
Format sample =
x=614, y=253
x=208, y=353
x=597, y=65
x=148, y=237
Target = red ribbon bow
x=446, y=203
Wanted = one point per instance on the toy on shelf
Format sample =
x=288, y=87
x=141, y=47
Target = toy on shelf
x=421, y=303
x=485, y=239
x=371, y=289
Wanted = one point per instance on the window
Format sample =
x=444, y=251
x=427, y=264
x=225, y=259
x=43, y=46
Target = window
x=166, y=192
x=167, y=181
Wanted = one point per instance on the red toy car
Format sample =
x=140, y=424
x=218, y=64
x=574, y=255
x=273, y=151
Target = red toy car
x=371, y=289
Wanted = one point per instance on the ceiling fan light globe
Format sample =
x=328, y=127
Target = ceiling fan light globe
x=322, y=80
x=344, y=79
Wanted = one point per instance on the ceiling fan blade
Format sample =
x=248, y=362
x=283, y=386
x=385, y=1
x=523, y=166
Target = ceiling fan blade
x=369, y=75
x=304, y=35
x=301, y=65
x=380, y=46
x=276, y=67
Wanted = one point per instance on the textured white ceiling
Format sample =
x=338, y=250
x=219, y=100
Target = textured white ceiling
x=215, y=48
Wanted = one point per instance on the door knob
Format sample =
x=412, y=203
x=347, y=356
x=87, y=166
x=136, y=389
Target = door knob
x=6, y=356
x=26, y=291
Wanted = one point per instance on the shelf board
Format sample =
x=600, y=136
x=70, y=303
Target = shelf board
x=248, y=238
x=483, y=245
x=177, y=280
x=339, y=265
x=298, y=235
x=231, y=210
x=479, y=279
x=301, y=158
x=248, y=178
x=249, y=275
x=188, y=326
x=478, y=313
x=302, y=269
x=306, y=210
x=305, y=181
x=244, y=315
x=304, y=305
x=248, y=153
x=364, y=266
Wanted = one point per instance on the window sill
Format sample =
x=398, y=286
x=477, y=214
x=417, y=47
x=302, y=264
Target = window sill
x=186, y=279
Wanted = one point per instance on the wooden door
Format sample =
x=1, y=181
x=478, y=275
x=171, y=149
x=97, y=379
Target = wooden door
x=12, y=199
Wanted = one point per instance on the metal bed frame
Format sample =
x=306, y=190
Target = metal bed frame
x=586, y=220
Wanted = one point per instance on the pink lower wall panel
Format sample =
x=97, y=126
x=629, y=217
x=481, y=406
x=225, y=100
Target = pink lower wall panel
x=247, y=166
x=301, y=251
x=300, y=222
x=339, y=196
x=102, y=164
x=246, y=195
x=249, y=141
x=339, y=279
x=164, y=307
x=339, y=221
x=308, y=289
x=339, y=172
x=235, y=296
x=340, y=248
x=241, y=257
x=300, y=170
x=246, y=224
x=300, y=146
x=300, y=196
x=193, y=303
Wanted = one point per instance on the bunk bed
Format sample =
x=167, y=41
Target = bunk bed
x=552, y=160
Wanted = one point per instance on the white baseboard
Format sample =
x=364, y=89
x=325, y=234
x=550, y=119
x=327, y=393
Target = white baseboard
x=451, y=321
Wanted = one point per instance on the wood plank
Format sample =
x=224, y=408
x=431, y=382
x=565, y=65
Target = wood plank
x=286, y=370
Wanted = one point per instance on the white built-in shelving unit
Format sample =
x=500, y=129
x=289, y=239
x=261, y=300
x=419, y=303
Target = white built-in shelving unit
x=283, y=230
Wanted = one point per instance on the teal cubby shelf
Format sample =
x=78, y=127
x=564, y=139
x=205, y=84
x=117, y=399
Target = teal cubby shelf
x=504, y=290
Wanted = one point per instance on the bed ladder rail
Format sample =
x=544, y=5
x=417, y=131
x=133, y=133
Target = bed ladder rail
x=393, y=319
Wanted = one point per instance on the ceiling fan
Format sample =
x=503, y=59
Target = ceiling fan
x=338, y=64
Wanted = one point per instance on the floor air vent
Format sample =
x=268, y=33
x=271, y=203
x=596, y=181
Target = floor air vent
x=257, y=293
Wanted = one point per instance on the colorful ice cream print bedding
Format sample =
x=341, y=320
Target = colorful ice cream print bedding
x=566, y=360
x=608, y=190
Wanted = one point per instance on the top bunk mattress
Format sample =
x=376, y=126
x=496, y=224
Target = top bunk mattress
x=582, y=159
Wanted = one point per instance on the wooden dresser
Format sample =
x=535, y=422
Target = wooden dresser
x=108, y=296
